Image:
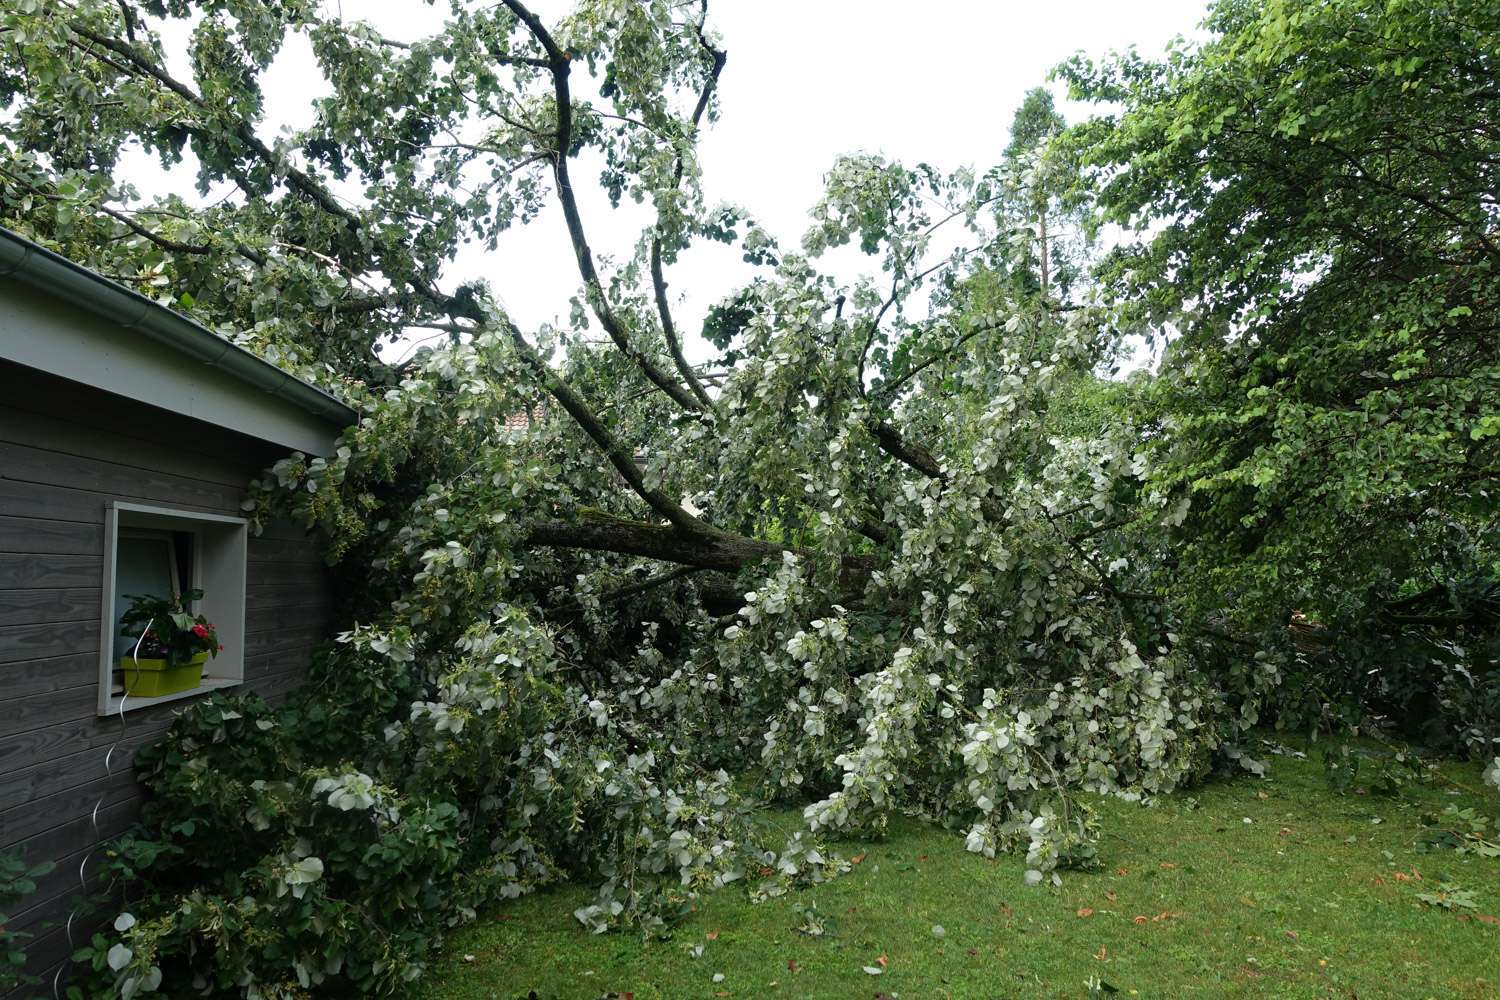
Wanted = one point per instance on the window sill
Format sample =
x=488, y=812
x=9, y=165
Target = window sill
x=209, y=685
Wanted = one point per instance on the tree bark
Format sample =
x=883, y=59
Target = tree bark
x=714, y=550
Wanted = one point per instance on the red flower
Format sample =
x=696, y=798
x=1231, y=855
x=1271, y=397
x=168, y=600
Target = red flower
x=201, y=631
x=221, y=647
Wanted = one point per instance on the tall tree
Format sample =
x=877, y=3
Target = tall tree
x=1035, y=124
x=1315, y=193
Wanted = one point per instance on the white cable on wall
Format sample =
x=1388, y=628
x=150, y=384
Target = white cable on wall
x=83, y=884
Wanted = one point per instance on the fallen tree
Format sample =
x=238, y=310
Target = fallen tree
x=897, y=548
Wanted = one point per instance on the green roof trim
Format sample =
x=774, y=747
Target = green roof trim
x=27, y=261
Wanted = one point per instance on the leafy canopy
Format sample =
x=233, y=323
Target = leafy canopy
x=896, y=547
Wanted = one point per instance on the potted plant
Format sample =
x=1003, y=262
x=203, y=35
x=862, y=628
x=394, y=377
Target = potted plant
x=169, y=645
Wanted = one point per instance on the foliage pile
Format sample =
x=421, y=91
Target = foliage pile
x=925, y=559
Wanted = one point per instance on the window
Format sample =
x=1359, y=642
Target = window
x=161, y=552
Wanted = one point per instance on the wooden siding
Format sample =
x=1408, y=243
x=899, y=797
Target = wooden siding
x=66, y=452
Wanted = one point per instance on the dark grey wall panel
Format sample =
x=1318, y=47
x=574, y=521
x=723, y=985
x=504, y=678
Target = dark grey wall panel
x=29, y=819
x=34, y=534
x=48, y=639
x=179, y=457
x=269, y=597
x=24, y=678
x=71, y=770
x=20, y=498
x=38, y=465
x=24, y=607
x=30, y=571
x=43, y=711
x=289, y=551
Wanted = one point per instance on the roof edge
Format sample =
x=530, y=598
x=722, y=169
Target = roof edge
x=50, y=272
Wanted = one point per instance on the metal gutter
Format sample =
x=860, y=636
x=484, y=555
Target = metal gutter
x=52, y=273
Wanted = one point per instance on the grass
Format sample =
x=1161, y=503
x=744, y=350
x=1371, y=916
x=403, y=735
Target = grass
x=1274, y=887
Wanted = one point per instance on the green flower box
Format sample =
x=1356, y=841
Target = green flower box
x=154, y=678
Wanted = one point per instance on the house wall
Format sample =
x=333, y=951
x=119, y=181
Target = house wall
x=66, y=452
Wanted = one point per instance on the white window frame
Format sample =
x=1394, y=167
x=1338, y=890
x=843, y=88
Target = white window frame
x=219, y=565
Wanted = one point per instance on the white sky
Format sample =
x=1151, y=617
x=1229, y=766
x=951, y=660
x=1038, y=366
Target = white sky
x=805, y=81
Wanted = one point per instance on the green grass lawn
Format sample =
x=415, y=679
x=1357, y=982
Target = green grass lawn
x=1272, y=887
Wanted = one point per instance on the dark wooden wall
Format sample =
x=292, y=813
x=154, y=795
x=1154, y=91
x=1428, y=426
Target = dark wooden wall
x=67, y=451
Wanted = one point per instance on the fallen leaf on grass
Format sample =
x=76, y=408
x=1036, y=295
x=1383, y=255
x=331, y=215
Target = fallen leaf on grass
x=973, y=952
x=712, y=935
x=1103, y=955
x=1109, y=896
x=1164, y=915
x=873, y=970
x=1261, y=795
x=1005, y=909
x=792, y=965
x=1292, y=935
x=857, y=858
x=1486, y=918
x=1141, y=918
x=1084, y=911
x=882, y=961
x=1122, y=871
x=1415, y=876
x=1167, y=866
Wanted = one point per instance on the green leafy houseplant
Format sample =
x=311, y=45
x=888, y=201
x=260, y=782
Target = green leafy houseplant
x=171, y=644
x=168, y=630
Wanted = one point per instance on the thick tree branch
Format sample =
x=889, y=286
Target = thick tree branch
x=652, y=583
x=719, y=550
x=124, y=218
x=889, y=390
x=559, y=63
x=616, y=451
x=892, y=443
x=669, y=329
x=241, y=130
x=717, y=58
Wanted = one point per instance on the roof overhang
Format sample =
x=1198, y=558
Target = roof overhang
x=61, y=318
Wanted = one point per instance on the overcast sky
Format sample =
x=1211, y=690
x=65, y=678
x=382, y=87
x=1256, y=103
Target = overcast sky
x=806, y=80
